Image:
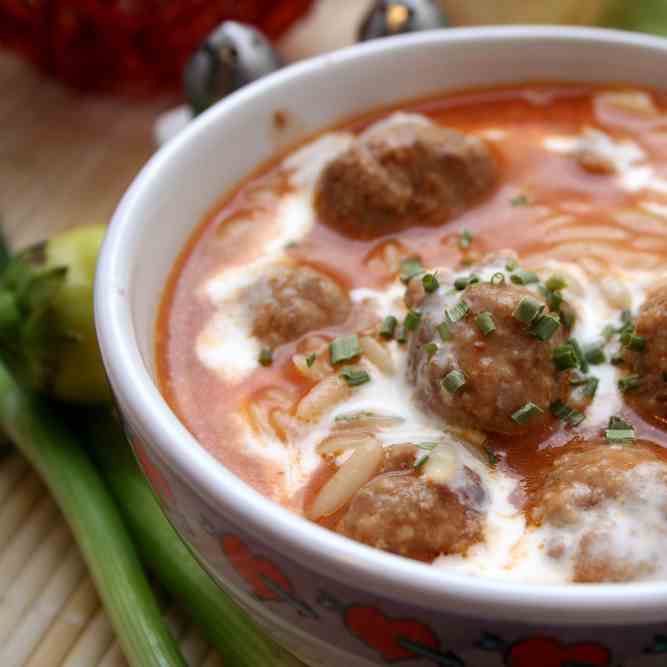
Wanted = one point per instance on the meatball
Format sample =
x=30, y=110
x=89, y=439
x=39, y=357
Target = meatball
x=598, y=503
x=650, y=396
x=502, y=371
x=404, y=512
x=401, y=173
x=291, y=301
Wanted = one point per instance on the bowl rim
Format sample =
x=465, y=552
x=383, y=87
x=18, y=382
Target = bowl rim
x=310, y=545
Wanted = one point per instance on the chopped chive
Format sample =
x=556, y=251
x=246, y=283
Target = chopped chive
x=430, y=349
x=591, y=387
x=388, y=326
x=401, y=334
x=463, y=282
x=491, y=456
x=554, y=299
x=619, y=431
x=420, y=462
x=543, y=328
x=522, y=415
x=617, y=359
x=354, y=376
x=568, y=317
x=412, y=320
x=523, y=277
x=465, y=239
x=527, y=310
x=497, y=279
x=485, y=323
x=629, y=383
x=427, y=446
x=616, y=422
x=409, y=268
x=453, y=381
x=594, y=354
x=511, y=265
x=566, y=414
x=633, y=342
x=310, y=359
x=564, y=357
x=445, y=333
x=430, y=282
x=266, y=356
x=344, y=348
x=457, y=312
x=608, y=332
x=556, y=283
x=519, y=200
x=581, y=359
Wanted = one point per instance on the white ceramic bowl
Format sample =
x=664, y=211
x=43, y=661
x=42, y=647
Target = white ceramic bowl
x=333, y=600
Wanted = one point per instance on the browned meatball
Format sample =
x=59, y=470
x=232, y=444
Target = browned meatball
x=291, y=301
x=584, y=496
x=403, y=512
x=406, y=172
x=503, y=371
x=650, y=396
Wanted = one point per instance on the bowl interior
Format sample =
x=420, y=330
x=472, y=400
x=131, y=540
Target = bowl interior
x=190, y=174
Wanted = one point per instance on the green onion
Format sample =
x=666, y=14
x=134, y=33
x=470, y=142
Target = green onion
x=581, y=359
x=354, y=376
x=95, y=522
x=266, y=357
x=629, y=383
x=457, y=312
x=420, y=462
x=224, y=624
x=568, y=317
x=430, y=282
x=545, y=327
x=485, y=323
x=618, y=358
x=462, y=282
x=344, y=348
x=591, y=387
x=310, y=359
x=564, y=357
x=427, y=446
x=594, y=354
x=453, y=381
x=445, y=333
x=409, y=268
x=522, y=277
x=619, y=431
x=412, y=320
x=491, y=456
x=511, y=265
x=608, y=332
x=430, y=349
x=401, y=334
x=465, y=239
x=527, y=310
x=633, y=342
x=556, y=283
x=519, y=200
x=522, y=415
x=566, y=414
x=554, y=299
x=388, y=326
x=497, y=279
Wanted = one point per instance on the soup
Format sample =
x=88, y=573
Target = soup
x=441, y=331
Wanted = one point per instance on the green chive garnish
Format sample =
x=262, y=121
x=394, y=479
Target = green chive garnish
x=427, y=446
x=581, y=359
x=412, y=320
x=633, y=342
x=401, y=334
x=430, y=282
x=556, y=283
x=485, y=323
x=344, y=348
x=491, y=456
x=463, y=282
x=388, y=326
x=465, y=239
x=608, y=332
x=527, y=310
x=519, y=200
x=522, y=277
x=354, y=376
x=453, y=381
x=594, y=354
x=590, y=387
x=266, y=356
x=522, y=415
x=629, y=383
x=445, y=333
x=564, y=357
x=511, y=265
x=430, y=349
x=619, y=431
x=566, y=414
x=409, y=268
x=457, y=312
x=497, y=279
x=554, y=299
x=420, y=462
x=568, y=318
x=545, y=327
x=310, y=359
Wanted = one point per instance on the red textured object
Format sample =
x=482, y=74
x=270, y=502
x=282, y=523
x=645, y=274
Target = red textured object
x=128, y=45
